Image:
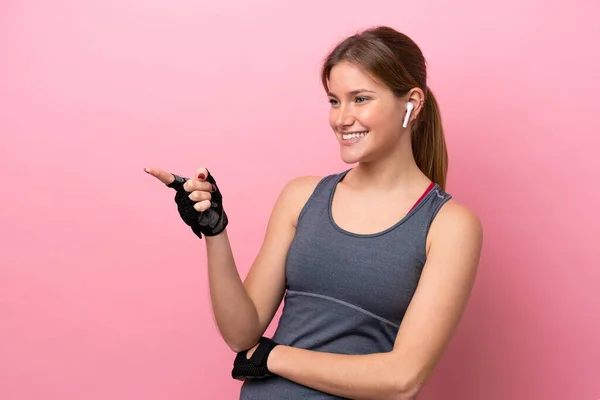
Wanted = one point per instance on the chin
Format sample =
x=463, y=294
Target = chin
x=355, y=150
x=350, y=158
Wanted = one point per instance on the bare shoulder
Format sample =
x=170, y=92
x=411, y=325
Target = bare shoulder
x=456, y=219
x=456, y=227
x=302, y=185
x=296, y=193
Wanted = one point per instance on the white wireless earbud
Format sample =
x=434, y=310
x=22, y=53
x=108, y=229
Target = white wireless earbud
x=409, y=108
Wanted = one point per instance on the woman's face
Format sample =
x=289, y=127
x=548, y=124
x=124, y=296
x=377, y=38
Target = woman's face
x=365, y=116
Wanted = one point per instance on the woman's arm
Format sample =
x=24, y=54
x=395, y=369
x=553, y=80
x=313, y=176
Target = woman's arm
x=243, y=310
x=429, y=323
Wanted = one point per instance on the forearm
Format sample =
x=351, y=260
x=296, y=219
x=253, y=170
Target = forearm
x=372, y=376
x=234, y=311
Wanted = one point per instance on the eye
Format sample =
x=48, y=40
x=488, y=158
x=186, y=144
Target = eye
x=361, y=99
x=332, y=101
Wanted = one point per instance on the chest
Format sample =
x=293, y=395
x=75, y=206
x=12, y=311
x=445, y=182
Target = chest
x=378, y=274
x=367, y=214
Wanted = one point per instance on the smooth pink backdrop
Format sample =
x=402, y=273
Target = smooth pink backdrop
x=103, y=291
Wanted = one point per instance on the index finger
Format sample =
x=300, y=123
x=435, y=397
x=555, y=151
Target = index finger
x=163, y=176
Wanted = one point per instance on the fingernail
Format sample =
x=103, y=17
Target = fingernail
x=146, y=171
x=201, y=176
x=214, y=188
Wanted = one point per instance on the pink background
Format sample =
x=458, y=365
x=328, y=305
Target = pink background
x=103, y=291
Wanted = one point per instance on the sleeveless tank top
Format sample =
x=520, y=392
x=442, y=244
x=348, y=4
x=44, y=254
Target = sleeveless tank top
x=346, y=293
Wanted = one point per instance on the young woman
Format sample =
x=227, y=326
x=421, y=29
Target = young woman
x=375, y=263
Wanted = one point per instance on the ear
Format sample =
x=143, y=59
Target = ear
x=417, y=97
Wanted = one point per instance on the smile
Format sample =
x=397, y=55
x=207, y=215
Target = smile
x=354, y=135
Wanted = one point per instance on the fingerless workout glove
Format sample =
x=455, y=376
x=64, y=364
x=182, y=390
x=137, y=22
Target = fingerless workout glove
x=254, y=367
x=210, y=222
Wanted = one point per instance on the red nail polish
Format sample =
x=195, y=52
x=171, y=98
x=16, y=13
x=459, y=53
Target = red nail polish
x=214, y=188
x=201, y=176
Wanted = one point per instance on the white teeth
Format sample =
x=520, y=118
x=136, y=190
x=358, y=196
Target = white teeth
x=349, y=136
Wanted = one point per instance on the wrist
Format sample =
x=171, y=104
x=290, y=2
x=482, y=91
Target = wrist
x=216, y=237
x=274, y=359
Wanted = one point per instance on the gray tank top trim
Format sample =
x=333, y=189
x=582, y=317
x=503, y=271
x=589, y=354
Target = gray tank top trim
x=341, y=176
x=344, y=303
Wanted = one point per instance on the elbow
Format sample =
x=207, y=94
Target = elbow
x=406, y=394
x=239, y=341
x=240, y=344
x=407, y=388
x=235, y=348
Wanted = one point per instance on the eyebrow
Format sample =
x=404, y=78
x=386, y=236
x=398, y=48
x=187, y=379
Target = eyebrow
x=354, y=92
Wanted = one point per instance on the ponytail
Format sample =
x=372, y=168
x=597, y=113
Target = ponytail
x=428, y=143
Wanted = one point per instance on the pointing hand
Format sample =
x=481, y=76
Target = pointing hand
x=199, y=201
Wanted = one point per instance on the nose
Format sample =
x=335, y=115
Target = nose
x=345, y=117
